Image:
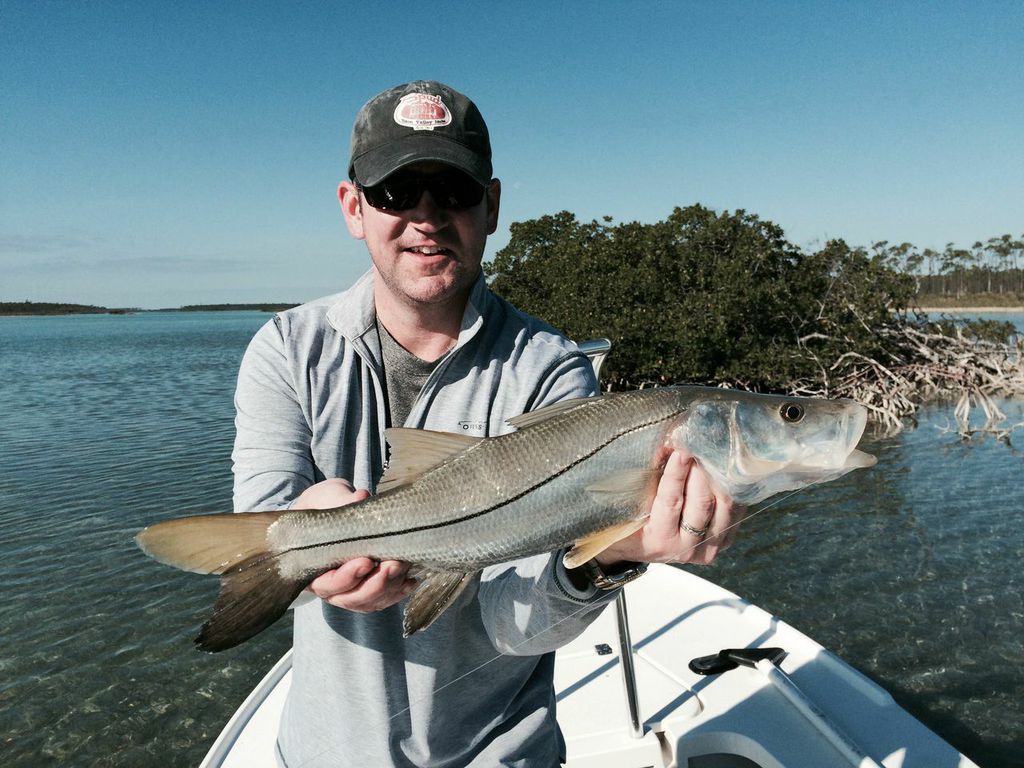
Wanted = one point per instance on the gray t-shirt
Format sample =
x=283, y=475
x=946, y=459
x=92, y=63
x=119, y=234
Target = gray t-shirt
x=404, y=375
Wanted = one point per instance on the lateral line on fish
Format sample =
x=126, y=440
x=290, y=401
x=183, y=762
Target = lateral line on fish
x=488, y=510
x=587, y=606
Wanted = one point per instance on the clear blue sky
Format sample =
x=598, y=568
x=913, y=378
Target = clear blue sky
x=157, y=154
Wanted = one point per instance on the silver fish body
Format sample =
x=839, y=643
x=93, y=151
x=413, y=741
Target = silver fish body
x=568, y=472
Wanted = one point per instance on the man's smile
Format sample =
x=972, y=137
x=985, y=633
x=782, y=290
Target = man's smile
x=428, y=250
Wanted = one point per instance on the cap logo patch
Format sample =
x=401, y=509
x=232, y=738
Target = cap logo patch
x=422, y=112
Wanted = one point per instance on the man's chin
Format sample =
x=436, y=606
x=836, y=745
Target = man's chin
x=437, y=289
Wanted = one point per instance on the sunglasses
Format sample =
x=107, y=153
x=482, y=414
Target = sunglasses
x=450, y=189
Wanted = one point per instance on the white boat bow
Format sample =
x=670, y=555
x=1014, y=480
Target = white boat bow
x=811, y=710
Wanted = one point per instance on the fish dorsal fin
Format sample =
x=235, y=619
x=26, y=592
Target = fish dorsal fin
x=437, y=590
x=548, y=411
x=590, y=546
x=416, y=451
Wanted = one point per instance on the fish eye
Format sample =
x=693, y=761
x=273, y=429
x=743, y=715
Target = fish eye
x=791, y=412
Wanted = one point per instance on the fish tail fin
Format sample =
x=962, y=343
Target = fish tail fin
x=208, y=543
x=253, y=594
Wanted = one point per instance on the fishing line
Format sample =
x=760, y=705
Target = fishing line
x=581, y=609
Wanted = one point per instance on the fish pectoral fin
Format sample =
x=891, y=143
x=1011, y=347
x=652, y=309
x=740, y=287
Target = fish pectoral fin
x=626, y=488
x=437, y=590
x=594, y=544
x=530, y=418
x=208, y=543
x=416, y=451
x=253, y=595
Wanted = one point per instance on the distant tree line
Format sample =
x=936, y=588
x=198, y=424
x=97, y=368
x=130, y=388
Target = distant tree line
x=54, y=308
x=995, y=266
x=279, y=307
x=49, y=308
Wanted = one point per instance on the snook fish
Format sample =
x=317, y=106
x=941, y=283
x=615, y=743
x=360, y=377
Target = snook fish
x=580, y=472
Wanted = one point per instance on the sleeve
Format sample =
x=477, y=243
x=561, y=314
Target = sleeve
x=530, y=606
x=272, y=461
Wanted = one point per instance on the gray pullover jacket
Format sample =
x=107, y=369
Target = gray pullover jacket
x=475, y=688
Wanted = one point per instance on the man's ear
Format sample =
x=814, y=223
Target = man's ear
x=351, y=209
x=493, y=204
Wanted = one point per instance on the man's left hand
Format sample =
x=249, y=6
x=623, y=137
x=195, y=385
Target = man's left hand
x=684, y=495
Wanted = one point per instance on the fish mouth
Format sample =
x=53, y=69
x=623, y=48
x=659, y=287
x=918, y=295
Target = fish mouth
x=847, y=456
x=858, y=459
x=855, y=422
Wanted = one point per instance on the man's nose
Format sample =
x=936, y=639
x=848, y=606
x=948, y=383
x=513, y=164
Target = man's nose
x=427, y=213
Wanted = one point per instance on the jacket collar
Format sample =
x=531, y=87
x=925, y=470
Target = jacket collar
x=353, y=314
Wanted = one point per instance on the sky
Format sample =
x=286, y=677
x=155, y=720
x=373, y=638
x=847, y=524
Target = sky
x=156, y=154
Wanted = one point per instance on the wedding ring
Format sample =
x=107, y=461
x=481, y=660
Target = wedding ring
x=700, y=533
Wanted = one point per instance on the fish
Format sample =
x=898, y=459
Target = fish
x=578, y=475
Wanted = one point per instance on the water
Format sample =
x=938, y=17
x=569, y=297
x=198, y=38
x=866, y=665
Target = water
x=910, y=571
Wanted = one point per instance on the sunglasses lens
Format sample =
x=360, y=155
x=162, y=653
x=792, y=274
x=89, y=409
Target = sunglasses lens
x=398, y=192
x=451, y=189
x=455, y=190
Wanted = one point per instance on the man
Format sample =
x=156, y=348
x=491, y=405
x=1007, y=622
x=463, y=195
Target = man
x=420, y=341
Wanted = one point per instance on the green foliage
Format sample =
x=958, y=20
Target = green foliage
x=844, y=297
x=701, y=296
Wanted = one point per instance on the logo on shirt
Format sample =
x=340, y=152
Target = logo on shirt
x=473, y=427
x=422, y=112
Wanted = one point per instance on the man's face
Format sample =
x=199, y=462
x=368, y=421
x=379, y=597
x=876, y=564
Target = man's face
x=426, y=254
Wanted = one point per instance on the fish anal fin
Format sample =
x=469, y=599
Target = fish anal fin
x=595, y=543
x=416, y=451
x=253, y=595
x=437, y=590
x=530, y=418
x=208, y=543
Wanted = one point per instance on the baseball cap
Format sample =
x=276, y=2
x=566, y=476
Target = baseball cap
x=421, y=120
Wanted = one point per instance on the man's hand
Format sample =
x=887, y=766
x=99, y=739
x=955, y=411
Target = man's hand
x=684, y=495
x=362, y=585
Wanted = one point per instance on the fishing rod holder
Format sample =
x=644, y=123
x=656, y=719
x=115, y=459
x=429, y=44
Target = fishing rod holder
x=628, y=669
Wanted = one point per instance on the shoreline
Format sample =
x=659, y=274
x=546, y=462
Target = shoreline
x=954, y=310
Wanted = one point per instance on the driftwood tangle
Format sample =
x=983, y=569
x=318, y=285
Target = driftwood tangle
x=929, y=365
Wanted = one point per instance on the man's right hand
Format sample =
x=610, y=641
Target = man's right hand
x=361, y=584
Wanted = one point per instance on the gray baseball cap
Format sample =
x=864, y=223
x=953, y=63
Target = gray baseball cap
x=421, y=120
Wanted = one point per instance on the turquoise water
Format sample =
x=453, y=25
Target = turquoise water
x=910, y=570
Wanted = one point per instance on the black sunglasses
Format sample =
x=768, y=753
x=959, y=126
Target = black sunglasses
x=451, y=189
